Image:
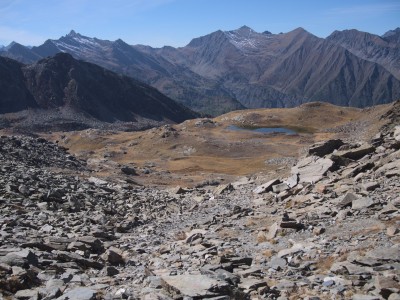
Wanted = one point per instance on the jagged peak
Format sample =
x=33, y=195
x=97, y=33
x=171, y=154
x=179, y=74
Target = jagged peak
x=73, y=33
x=10, y=45
x=120, y=42
x=244, y=30
x=299, y=29
x=391, y=32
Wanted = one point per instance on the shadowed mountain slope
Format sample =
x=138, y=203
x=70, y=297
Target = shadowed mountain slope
x=61, y=82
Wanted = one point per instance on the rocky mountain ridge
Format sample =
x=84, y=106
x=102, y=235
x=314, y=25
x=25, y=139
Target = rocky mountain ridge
x=329, y=229
x=80, y=93
x=228, y=70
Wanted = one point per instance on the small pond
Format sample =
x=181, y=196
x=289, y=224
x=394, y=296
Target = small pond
x=263, y=129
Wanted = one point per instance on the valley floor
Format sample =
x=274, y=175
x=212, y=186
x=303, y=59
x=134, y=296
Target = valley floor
x=106, y=220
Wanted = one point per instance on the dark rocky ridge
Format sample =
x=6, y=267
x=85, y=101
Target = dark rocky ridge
x=383, y=50
x=231, y=70
x=80, y=92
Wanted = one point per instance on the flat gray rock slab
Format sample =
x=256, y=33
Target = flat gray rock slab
x=195, y=286
x=365, y=297
x=362, y=203
x=387, y=254
x=79, y=294
x=312, y=169
x=251, y=284
x=356, y=153
x=266, y=187
x=325, y=148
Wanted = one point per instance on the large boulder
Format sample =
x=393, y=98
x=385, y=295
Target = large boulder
x=195, y=286
x=324, y=148
x=313, y=168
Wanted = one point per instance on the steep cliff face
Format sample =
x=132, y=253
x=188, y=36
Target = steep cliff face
x=14, y=95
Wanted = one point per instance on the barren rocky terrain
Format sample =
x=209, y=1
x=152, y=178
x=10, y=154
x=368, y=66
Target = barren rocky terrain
x=314, y=215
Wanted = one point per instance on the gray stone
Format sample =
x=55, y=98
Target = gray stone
x=111, y=271
x=388, y=209
x=266, y=187
x=251, y=284
x=356, y=153
x=386, y=254
x=292, y=181
x=79, y=260
x=324, y=148
x=347, y=200
x=128, y=170
x=195, y=286
x=114, y=256
x=81, y=293
x=370, y=186
x=22, y=258
x=361, y=203
x=277, y=188
x=392, y=231
x=312, y=169
x=386, y=285
x=394, y=296
x=365, y=297
x=277, y=263
x=224, y=188
x=273, y=231
x=236, y=261
x=27, y=295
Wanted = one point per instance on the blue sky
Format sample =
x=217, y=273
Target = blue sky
x=176, y=22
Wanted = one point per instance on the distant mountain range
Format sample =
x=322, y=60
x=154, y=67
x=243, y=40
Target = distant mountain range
x=228, y=70
x=78, y=93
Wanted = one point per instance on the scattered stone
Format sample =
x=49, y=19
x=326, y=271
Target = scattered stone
x=356, y=153
x=266, y=187
x=324, y=148
x=370, y=186
x=273, y=230
x=114, y=256
x=80, y=293
x=278, y=188
x=392, y=231
x=312, y=169
x=362, y=203
x=195, y=286
x=347, y=200
x=224, y=188
x=319, y=230
x=128, y=170
x=27, y=294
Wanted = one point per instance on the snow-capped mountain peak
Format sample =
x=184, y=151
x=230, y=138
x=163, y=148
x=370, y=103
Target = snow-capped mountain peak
x=245, y=38
x=77, y=43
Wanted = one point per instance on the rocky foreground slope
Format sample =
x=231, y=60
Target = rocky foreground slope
x=328, y=231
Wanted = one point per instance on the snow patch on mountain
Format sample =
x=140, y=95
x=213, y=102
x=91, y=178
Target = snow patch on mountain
x=246, y=39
